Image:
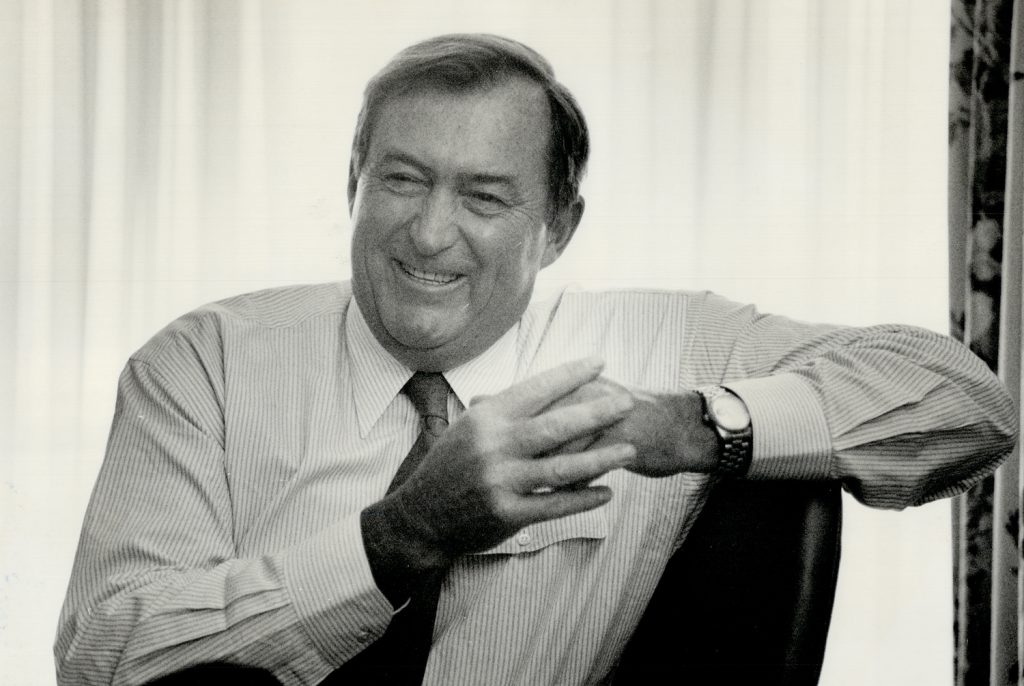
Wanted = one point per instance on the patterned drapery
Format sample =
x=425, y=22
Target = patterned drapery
x=986, y=183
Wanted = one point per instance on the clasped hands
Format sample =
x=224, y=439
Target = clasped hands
x=529, y=454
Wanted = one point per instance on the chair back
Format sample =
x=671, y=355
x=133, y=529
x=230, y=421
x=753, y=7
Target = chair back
x=748, y=597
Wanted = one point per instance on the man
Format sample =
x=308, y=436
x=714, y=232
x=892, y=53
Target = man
x=266, y=499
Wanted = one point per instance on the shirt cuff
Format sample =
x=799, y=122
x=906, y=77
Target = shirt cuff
x=334, y=593
x=791, y=436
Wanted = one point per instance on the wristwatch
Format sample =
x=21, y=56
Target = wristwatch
x=727, y=414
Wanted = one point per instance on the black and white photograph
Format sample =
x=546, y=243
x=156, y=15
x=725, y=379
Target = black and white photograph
x=548, y=342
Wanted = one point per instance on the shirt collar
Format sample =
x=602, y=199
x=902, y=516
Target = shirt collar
x=488, y=373
x=377, y=377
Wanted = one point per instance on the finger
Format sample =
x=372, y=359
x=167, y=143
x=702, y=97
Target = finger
x=539, y=507
x=567, y=423
x=577, y=445
x=565, y=470
x=532, y=395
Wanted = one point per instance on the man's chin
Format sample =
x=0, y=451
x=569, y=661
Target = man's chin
x=439, y=359
x=423, y=330
x=416, y=348
x=441, y=341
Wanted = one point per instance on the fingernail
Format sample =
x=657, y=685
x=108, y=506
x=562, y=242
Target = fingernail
x=625, y=451
x=622, y=402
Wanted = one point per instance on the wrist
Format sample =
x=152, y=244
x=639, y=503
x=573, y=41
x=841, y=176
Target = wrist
x=697, y=444
x=726, y=414
x=397, y=548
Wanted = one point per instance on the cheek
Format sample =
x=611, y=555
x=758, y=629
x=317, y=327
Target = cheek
x=523, y=254
x=514, y=264
x=377, y=214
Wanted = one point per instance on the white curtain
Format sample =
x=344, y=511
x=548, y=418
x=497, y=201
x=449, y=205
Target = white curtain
x=158, y=155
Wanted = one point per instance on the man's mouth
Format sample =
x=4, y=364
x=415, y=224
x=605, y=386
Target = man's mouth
x=428, y=277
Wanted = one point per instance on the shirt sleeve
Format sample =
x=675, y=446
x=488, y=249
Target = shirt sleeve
x=157, y=585
x=900, y=415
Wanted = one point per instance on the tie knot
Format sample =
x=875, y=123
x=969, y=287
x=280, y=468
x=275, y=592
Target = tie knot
x=428, y=392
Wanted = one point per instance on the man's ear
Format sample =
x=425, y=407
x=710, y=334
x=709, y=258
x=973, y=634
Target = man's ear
x=561, y=230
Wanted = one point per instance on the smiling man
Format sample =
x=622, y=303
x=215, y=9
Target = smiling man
x=451, y=214
x=422, y=475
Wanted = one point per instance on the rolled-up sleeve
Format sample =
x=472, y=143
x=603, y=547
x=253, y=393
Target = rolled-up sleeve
x=900, y=415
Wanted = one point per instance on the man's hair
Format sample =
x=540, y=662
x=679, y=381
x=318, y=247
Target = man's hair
x=459, y=63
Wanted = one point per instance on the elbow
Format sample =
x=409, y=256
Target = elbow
x=1006, y=423
x=998, y=410
x=75, y=665
x=923, y=467
x=91, y=641
x=63, y=649
x=994, y=427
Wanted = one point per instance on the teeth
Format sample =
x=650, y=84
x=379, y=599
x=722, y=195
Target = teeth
x=433, y=277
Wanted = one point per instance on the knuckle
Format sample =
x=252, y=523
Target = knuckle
x=493, y=443
x=560, y=471
x=480, y=416
x=502, y=505
x=475, y=428
x=545, y=432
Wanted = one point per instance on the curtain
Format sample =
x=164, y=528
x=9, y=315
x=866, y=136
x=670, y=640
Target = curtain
x=127, y=130
x=986, y=215
x=158, y=155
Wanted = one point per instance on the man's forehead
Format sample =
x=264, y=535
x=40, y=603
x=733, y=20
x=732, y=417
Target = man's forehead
x=484, y=124
x=511, y=96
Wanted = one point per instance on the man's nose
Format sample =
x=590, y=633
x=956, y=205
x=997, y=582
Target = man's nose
x=434, y=229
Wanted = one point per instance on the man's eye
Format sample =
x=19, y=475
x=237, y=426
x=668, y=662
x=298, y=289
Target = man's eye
x=401, y=182
x=485, y=203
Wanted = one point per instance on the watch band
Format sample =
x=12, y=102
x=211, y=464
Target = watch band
x=735, y=436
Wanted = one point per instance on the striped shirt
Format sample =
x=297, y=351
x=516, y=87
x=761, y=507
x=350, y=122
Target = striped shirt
x=248, y=436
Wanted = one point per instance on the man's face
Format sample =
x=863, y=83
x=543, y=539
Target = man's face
x=449, y=219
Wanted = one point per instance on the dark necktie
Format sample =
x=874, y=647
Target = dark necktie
x=400, y=655
x=428, y=392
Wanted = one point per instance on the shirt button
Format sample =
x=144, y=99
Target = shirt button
x=522, y=538
x=363, y=636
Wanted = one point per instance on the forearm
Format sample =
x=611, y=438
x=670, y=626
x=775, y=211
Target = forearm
x=902, y=416
x=297, y=614
x=398, y=551
x=157, y=622
x=158, y=582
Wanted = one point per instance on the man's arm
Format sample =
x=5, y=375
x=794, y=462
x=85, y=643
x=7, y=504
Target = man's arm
x=157, y=584
x=900, y=415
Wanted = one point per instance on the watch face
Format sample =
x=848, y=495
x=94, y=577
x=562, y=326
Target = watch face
x=730, y=413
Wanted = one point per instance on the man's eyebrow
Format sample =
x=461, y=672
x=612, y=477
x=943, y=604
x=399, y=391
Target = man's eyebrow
x=489, y=179
x=404, y=158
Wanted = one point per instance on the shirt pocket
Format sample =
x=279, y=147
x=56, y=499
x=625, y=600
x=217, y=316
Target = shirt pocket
x=589, y=525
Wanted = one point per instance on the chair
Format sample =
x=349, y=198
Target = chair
x=748, y=597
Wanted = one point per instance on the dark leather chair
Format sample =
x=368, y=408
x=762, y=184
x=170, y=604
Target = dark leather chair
x=748, y=597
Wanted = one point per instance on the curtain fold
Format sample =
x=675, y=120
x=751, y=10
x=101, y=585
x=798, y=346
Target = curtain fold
x=986, y=179
x=115, y=147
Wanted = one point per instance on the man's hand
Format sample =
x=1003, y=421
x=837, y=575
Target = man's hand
x=667, y=430
x=498, y=468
